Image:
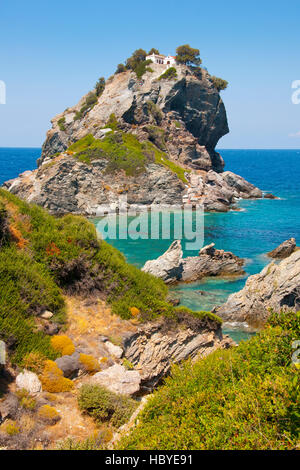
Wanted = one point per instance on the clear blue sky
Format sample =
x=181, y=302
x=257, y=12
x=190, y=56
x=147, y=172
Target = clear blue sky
x=52, y=52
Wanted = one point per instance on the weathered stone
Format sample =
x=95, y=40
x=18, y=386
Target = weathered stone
x=284, y=250
x=46, y=315
x=29, y=381
x=157, y=345
x=276, y=287
x=114, y=350
x=118, y=380
x=69, y=364
x=171, y=267
x=167, y=266
x=9, y=407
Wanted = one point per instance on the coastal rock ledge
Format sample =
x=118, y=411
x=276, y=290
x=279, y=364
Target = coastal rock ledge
x=276, y=287
x=171, y=267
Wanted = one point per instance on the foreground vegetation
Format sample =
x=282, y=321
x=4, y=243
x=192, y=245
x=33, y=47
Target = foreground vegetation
x=243, y=398
x=43, y=257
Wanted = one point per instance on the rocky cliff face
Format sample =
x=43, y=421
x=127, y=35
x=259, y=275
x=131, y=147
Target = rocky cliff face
x=276, y=287
x=188, y=109
x=182, y=119
x=157, y=345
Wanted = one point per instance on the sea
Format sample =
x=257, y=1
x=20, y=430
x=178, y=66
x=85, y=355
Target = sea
x=256, y=228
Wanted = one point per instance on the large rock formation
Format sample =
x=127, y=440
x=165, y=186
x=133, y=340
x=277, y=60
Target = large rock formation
x=155, y=346
x=171, y=267
x=184, y=118
x=277, y=287
x=284, y=250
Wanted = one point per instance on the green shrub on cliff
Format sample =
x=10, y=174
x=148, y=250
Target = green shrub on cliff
x=103, y=405
x=169, y=74
x=124, y=151
x=243, y=398
x=219, y=83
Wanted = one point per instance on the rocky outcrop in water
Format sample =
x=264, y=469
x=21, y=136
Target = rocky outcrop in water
x=172, y=268
x=184, y=118
x=284, y=250
x=277, y=287
x=155, y=346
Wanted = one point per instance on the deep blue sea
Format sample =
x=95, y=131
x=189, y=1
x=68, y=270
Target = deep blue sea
x=250, y=233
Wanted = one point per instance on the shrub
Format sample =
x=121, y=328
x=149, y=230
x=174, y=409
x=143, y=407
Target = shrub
x=89, y=363
x=48, y=414
x=87, y=444
x=219, y=83
x=11, y=428
x=100, y=85
x=121, y=68
x=104, y=405
x=63, y=344
x=169, y=74
x=61, y=123
x=155, y=111
x=34, y=361
x=26, y=401
x=52, y=379
x=187, y=55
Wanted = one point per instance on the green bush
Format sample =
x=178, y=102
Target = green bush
x=169, y=74
x=100, y=86
x=61, y=123
x=90, y=102
x=243, y=398
x=219, y=83
x=104, y=405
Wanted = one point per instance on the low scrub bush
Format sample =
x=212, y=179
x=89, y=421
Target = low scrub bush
x=52, y=379
x=89, y=363
x=104, y=405
x=63, y=344
x=48, y=414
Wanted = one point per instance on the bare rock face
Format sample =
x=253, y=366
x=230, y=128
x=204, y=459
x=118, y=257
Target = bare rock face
x=284, y=250
x=119, y=380
x=155, y=346
x=276, y=287
x=191, y=100
x=168, y=266
x=29, y=381
x=171, y=267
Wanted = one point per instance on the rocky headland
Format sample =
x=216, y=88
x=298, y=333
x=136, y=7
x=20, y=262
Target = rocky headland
x=152, y=138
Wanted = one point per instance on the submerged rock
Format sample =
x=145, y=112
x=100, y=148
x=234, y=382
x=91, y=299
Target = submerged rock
x=171, y=267
x=284, y=250
x=276, y=287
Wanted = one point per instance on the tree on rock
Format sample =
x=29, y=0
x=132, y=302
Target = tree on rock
x=219, y=83
x=153, y=51
x=138, y=56
x=187, y=55
x=100, y=85
x=121, y=68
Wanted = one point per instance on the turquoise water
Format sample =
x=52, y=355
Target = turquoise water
x=259, y=227
x=249, y=233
